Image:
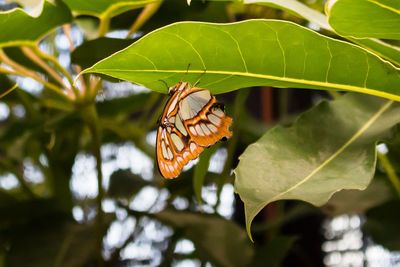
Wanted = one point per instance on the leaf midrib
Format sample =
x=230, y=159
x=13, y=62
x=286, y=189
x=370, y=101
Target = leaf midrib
x=385, y=6
x=358, y=89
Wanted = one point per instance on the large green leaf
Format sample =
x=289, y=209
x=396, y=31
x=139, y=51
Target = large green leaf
x=383, y=49
x=105, y=8
x=250, y=53
x=18, y=28
x=220, y=241
x=329, y=148
x=363, y=19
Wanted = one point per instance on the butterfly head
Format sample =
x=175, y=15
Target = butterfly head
x=179, y=87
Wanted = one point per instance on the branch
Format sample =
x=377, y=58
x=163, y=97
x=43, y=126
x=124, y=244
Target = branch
x=146, y=13
x=56, y=64
x=90, y=115
x=30, y=54
x=390, y=171
x=22, y=71
x=67, y=32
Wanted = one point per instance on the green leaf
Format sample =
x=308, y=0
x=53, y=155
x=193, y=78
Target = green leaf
x=358, y=201
x=383, y=49
x=18, y=28
x=250, y=53
x=105, y=8
x=201, y=169
x=92, y=51
x=363, y=19
x=329, y=148
x=297, y=8
x=220, y=241
x=383, y=224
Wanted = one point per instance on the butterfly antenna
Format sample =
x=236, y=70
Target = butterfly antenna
x=164, y=82
x=187, y=69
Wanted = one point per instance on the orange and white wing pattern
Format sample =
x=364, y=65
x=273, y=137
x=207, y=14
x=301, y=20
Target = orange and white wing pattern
x=192, y=120
x=204, y=118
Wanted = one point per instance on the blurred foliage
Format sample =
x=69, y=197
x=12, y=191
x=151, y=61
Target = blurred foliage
x=61, y=134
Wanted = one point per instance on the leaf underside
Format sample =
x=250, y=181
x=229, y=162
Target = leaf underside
x=329, y=148
x=226, y=57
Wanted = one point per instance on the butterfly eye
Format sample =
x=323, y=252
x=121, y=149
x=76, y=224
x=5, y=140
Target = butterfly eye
x=192, y=120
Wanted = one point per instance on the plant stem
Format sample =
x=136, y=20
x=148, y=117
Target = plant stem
x=146, y=13
x=67, y=32
x=22, y=71
x=390, y=171
x=56, y=64
x=104, y=26
x=90, y=115
x=40, y=62
x=9, y=90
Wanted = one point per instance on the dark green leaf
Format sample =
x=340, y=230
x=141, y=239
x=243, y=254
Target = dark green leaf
x=18, y=28
x=325, y=151
x=93, y=51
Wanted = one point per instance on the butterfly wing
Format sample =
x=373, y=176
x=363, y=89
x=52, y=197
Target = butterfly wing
x=175, y=149
x=194, y=120
x=204, y=118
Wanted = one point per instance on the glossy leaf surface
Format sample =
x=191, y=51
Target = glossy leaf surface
x=363, y=19
x=226, y=57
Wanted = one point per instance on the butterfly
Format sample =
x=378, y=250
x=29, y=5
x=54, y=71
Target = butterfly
x=191, y=121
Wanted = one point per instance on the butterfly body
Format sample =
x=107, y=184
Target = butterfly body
x=191, y=121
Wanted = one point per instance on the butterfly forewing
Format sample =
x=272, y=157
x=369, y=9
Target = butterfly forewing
x=192, y=120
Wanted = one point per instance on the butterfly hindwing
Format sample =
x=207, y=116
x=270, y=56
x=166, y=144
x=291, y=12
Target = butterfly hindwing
x=174, y=151
x=205, y=119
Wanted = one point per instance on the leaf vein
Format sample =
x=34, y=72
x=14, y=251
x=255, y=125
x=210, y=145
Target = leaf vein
x=191, y=45
x=341, y=149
